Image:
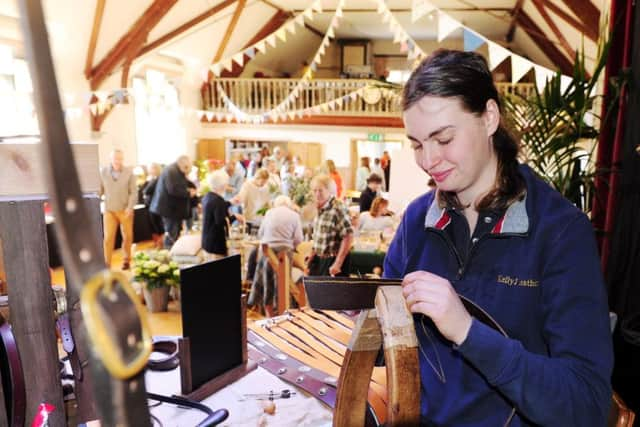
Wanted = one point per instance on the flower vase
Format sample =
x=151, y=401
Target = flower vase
x=157, y=298
x=175, y=294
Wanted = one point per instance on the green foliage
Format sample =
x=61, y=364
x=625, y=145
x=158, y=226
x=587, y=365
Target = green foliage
x=300, y=190
x=156, y=269
x=557, y=130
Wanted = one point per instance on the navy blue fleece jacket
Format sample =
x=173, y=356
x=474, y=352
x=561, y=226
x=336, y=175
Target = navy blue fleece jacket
x=537, y=272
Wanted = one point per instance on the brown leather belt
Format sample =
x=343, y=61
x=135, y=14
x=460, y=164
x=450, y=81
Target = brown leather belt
x=12, y=376
x=317, y=340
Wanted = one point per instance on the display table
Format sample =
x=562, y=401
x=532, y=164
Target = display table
x=299, y=410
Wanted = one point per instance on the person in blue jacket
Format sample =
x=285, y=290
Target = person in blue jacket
x=495, y=233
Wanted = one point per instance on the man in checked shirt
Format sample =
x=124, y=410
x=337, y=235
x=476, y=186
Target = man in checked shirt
x=332, y=232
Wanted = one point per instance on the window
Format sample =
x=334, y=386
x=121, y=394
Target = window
x=16, y=103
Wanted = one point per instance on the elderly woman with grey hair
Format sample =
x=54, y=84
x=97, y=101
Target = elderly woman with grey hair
x=281, y=230
x=215, y=213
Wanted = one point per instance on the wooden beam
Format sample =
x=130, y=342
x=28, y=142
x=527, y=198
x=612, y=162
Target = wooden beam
x=130, y=43
x=563, y=41
x=276, y=21
x=550, y=49
x=591, y=33
x=514, y=19
x=95, y=30
x=184, y=27
x=230, y=29
x=405, y=10
x=586, y=11
x=314, y=30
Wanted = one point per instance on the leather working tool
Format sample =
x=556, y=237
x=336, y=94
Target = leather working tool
x=390, y=324
x=213, y=417
x=12, y=377
x=116, y=328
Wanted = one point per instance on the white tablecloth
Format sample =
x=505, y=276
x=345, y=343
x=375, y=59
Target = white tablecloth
x=299, y=410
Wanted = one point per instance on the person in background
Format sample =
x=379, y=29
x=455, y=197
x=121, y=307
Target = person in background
x=157, y=230
x=235, y=181
x=281, y=230
x=374, y=182
x=216, y=216
x=385, y=164
x=288, y=160
x=118, y=185
x=362, y=173
x=335, y=176
x=377, y=169
x=497, y=234
x=264, y=154
x=300, y=167
x=279, y=157
x=332, y=233
x=194, y=201
x=274, y=183
x=287, y=176
x=254, y=165
x=376, y=219
x=171, y=199
x=254, y=196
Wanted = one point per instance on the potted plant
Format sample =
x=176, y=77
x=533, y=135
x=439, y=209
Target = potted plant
x=157, y=273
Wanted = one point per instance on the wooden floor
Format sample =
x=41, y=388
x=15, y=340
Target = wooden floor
x=169, y=323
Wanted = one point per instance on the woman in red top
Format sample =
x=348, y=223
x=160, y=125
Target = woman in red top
x=335, y=176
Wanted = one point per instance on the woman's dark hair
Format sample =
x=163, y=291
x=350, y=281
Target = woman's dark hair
x=466, y=76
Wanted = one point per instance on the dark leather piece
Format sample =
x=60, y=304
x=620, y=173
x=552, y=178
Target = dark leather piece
x=168, y=363
x=213, y=417
x=12, y=376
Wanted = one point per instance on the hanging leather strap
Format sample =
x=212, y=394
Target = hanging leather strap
x=12, y=376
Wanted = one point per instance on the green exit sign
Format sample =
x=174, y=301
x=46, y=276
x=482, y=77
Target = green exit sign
x=377, y=137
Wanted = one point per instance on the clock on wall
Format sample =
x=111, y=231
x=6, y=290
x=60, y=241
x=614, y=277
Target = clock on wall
x=371, y=95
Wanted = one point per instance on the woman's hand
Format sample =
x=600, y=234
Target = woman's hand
x=434, y=296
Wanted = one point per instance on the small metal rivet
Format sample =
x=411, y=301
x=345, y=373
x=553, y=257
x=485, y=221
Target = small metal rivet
x=300, y=379
x=262, y=360
x=474, y=240
x=304, y=368
x=85, y=255
x=282, y=371
x=322, y=391
x=260, y=344
x=70, y=205
x=131, y=340
x=330, y=380
x=487, y=219
x=281, y=356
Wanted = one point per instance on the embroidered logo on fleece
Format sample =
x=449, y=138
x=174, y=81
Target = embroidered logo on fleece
x=516, y=281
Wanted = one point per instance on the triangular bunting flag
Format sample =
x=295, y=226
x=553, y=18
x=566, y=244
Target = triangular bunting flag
x=339, y=13
x=94, y=109
x=331, y=33
x=321, y=50
x=101, y=95
x=200, y=114
x=446, y=25
x=226, y=64
x=299, y=113
x=238, y=58
x=381, y=7
x=565, y=81
x=261, y=46
x=271, y=39
x=292, y=115
x=317, y=6
x=519, y=67
x=299, y=19
x=472, y=40
x=339, y=102
x=209, y=115
x=308, y=13
x=497, y=54
x=229, y=118
x=404, y=47
x=219, y=117
x=314, y=66
x=291, y=27
x=282, y=34
x=419, y=8
x=543, y=75
x=251, y=52
x=386, y=17
x=353, y=95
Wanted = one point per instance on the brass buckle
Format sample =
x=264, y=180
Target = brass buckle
x=105, y=347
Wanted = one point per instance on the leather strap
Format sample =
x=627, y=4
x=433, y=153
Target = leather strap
x=117, y=336
x=12, y=376
x=168, y=363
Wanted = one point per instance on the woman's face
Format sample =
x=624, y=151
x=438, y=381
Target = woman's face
x=453, y=145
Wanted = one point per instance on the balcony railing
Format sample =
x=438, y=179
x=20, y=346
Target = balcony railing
x=334, y=97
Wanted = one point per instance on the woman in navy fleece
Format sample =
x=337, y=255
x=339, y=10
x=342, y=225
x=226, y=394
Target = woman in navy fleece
x=495, y=233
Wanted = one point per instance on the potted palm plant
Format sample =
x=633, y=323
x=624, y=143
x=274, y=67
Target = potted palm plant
x=158, y=274
x=559, y=130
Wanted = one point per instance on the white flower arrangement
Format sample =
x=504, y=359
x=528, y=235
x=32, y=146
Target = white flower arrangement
x=156, y=269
